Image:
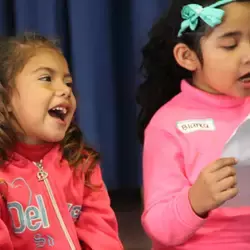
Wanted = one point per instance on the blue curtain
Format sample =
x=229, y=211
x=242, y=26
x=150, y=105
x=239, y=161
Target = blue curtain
x=102, y=40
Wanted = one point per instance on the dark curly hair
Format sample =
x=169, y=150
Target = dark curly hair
x=162, y=74
x=14, y=53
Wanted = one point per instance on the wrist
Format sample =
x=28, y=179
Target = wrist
x=196, y=205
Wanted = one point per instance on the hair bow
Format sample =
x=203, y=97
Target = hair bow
x=210, y=15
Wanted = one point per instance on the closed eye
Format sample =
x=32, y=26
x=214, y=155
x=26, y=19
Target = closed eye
x=231, y=47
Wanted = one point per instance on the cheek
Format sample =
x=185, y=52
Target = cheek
x=74, y=104
x=16, y=107
x=217, y=64
x=29, y=106
x=221, y=59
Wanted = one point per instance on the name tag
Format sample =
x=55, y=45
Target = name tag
x=189, y=126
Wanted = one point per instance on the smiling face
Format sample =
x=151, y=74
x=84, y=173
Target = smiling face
x=226, y=54
x=42, y=101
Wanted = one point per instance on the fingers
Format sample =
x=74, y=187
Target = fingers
x=221, y=163
x=227, y=194
x=225, y=172
x=227, y=183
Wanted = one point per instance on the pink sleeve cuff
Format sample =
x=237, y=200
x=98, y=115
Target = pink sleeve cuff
x=185, y=213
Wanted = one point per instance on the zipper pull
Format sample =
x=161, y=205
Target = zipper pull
x=41, y=175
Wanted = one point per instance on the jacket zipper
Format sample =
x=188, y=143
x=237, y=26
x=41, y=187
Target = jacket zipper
x=43, y=176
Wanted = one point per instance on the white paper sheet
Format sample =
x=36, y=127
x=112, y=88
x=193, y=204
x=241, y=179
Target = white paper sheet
x=238, y=146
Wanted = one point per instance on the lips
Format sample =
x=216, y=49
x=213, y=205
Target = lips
x=245, y=78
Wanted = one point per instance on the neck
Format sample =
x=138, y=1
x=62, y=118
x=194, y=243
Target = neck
x=196, y=82
x=30, y=140
x=33, y=152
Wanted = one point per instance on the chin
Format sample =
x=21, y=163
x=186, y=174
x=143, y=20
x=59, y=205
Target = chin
x=54, y=138
x=246, y=94
x=243, y=94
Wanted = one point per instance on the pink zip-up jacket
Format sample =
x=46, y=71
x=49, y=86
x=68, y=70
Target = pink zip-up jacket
x=183, y=137
x=45, y=206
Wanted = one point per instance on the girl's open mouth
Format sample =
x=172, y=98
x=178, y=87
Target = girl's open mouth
x=58, y=112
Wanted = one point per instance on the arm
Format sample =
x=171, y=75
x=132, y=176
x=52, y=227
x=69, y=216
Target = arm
x=97, y=226
x=5, y=240
x=168, y=217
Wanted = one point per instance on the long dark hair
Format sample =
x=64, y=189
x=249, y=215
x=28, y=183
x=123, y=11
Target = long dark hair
x=162, y=74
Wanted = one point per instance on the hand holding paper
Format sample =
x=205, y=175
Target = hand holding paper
x=214, y=185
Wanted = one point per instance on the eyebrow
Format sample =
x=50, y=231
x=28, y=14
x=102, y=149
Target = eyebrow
x=51, y=71
x=230, y=34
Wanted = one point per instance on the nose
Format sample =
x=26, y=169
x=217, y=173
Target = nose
x=64, y=91
x=246, y=57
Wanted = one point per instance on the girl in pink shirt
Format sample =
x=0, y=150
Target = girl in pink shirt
x=52, y=195
x=195, y=94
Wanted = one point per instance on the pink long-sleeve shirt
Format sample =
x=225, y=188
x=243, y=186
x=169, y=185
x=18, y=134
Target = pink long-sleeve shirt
x=183, y=137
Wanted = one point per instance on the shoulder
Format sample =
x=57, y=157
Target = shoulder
x=168, y=115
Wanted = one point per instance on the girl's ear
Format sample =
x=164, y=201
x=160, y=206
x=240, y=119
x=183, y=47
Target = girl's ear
x=186, y=57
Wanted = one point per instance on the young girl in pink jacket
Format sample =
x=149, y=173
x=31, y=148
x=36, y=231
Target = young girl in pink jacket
x=52, y=191
x=195, y=95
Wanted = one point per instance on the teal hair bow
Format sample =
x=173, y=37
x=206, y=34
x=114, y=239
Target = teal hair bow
x=210, y=15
